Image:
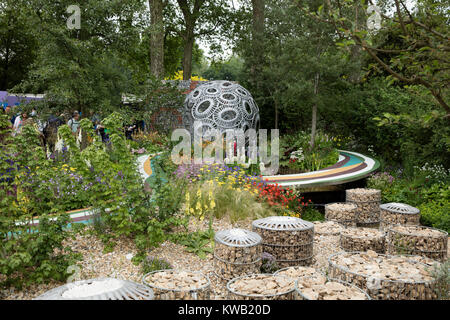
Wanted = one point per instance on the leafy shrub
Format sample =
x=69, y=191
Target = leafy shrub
x=311, y=214
x=436, y=214
x=441, y=273
x=199, y=242
x=297, y=153
x=152, y=263
x=27, y=253
x=152, y=142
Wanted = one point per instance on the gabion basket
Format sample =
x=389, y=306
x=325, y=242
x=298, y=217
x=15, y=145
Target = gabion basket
x=384, y=289
x=336, y=228
x=368, y=202
x=398, y=213
x=235, y=295
x=200, y=293
x=343, y=215
x=352, y=239
x=298, y=271
x=237, y=252
x=410, y=242
x=299, y=295
x=127, y=291
x=290, y=240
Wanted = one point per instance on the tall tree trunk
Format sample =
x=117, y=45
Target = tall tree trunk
x=314, y=111
x=257, y=41
x=355, y=50
x=187, y=56
x=156, y=38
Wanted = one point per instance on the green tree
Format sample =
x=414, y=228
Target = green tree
x=224, y=70
x=419, y=57
x=85, y=69
x=198, y=19
x=302, y=67
x=18, y=43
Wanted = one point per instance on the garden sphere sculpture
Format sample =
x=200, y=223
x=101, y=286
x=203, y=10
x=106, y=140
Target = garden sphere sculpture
x=220, y=105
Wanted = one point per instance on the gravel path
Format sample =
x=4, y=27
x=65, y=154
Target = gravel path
x=117, y=263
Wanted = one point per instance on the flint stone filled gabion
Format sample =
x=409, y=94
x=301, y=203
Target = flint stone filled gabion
x=384, y=277
x=298, y=271
x=260, y=287
x=221, y=105
x=398, y=213
x=290, y=240
x=342, y=213
x=328, y=228
x=237, y=252
x=368, y=202
x=99, y=289
x=362, y=239
x=417, y=240
x=170, y=284
x=321, y=288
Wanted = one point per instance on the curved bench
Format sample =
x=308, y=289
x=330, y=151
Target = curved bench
x=351, y=166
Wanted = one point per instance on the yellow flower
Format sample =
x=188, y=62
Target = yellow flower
x=72, y=169
x=212, y=204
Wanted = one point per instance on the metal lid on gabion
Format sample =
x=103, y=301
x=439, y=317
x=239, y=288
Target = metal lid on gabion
x=397, y=207
x=99, y=289
x=238, y=238
x=282, y=223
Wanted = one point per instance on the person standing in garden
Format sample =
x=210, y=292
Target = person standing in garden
x=19, y=122
x=74, y=123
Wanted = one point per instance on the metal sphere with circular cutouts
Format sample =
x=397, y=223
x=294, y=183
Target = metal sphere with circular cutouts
x=220, y=105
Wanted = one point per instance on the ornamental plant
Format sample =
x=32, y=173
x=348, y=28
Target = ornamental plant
x=284, y=200
x=224, y=199
x=28, y=253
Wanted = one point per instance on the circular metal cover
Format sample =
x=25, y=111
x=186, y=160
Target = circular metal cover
x=127, y=290
x=282, y=223
x=238, y=238
x=399, y=208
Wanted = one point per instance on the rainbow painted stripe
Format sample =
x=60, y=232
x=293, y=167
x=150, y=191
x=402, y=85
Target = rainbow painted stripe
x=351, y=166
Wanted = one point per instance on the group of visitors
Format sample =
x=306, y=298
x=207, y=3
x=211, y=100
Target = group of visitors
x=48, y=130
x=74, y=125
x=20, y=119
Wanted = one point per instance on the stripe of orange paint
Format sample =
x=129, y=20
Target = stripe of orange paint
x=147, y=166
x=319, y=174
